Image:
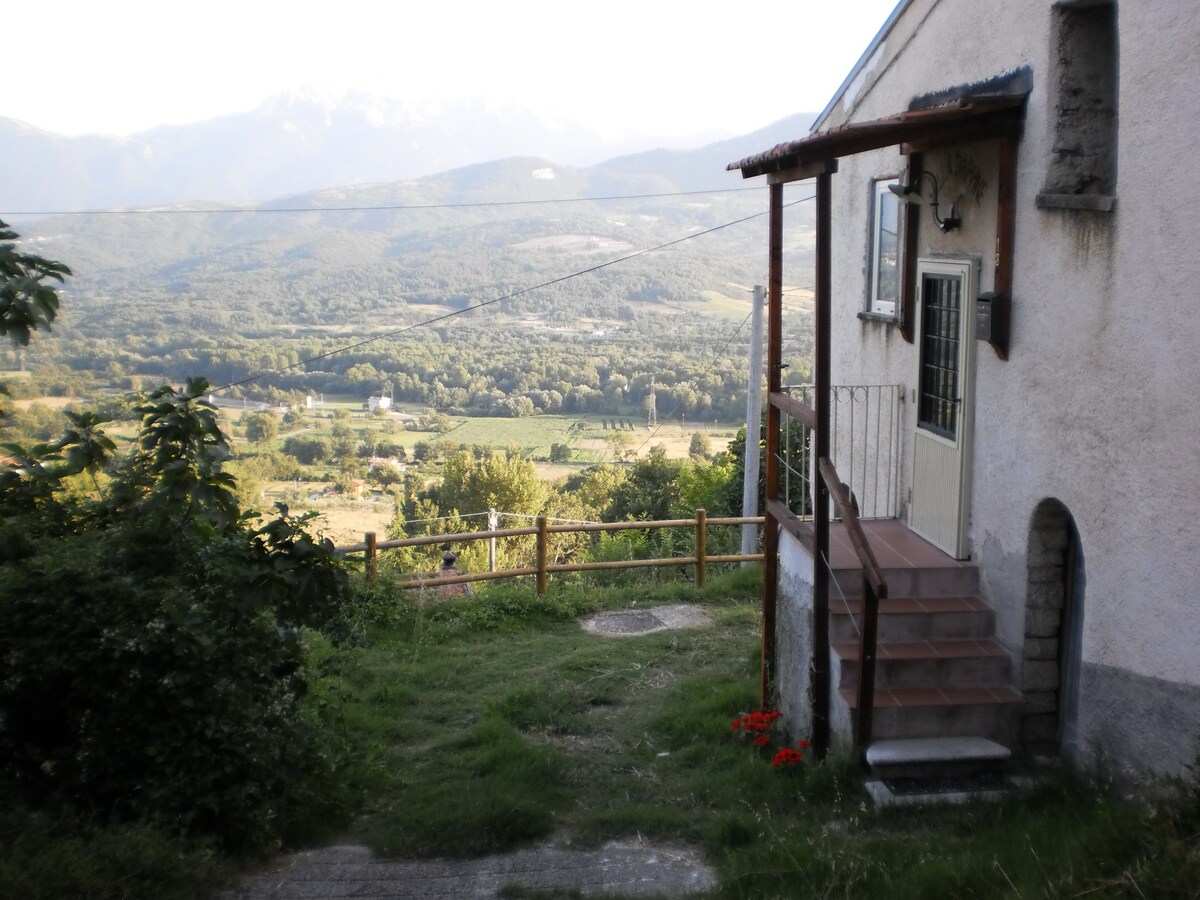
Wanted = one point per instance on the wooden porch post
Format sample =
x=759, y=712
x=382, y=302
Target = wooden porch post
x=1006, y=218
x=774, y=381
x=821, y=574
x=912, y=249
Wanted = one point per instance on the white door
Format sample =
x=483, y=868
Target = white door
x=940, y=508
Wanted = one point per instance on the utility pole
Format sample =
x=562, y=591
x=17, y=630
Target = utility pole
x=753, y=423
x=652, y=407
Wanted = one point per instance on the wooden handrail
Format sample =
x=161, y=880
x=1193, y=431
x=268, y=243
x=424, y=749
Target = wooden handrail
x=874, y=589
x=794, y=409
x=543, y=567
x=854, y=529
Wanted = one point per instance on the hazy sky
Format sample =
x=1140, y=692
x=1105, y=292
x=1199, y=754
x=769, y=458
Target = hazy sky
x=663, y=66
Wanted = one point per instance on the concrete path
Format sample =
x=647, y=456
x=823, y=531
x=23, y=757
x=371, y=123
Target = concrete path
x=616, y=870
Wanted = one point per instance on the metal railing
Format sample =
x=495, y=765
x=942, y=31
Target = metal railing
x=542, y=568
x=864, y=433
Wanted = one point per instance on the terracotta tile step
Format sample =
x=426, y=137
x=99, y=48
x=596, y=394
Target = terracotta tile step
x=896, y=606
x=907, y=698
x=922, y=581
x=989, y=712
x=971, y=648
x=932, y=665
x=914, y=619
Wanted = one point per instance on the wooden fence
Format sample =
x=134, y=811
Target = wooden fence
x=542, y=568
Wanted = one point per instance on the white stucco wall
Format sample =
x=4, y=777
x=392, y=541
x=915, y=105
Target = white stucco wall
x=1095, y=405
x=793, y=636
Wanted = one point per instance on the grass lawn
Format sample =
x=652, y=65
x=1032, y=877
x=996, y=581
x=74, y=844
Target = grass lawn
x=485, y=723
x=490, y=722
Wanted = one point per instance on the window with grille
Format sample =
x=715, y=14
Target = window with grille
x=941, y=309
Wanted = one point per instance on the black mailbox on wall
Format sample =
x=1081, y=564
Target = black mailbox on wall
x=992, y=312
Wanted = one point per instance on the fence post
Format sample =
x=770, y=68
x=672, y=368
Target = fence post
x=701, y=546
x=372, y=569
x=542, y=536
x=493, y=524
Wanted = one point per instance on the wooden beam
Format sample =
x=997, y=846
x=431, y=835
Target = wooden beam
x=958, y=134
x=794, y=409
x=803, y=171
x=854, y=530
x=800, y=529
x=967, y=120
x=774, y=382
x=1006, y=220
x=908, y=273
x=821, y=574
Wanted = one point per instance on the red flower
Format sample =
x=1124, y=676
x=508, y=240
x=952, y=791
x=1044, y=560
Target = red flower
x=802, y=744
x=762, y=740
x=787, y=757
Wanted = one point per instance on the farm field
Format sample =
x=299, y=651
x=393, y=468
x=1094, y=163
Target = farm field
x=532, y=435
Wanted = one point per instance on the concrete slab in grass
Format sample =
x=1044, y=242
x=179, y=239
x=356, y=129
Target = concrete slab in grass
x=632, y=622
x=631, y=869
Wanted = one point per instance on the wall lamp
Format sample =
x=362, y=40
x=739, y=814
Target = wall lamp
x=911, y=193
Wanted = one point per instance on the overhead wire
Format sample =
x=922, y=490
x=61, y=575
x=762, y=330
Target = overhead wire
x=485, y=303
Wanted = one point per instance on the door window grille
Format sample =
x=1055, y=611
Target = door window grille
x=941, y=306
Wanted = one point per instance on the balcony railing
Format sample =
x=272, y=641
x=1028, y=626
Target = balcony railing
x=865, y=445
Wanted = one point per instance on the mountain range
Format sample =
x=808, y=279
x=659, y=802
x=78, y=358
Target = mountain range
x=306, y=141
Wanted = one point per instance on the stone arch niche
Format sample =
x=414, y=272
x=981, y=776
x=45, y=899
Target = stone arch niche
x=1053, y=633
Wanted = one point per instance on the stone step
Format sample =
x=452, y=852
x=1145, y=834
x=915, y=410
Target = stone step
x=989, y=712
x=906, y=618
x=936, y=758
x=929, y=664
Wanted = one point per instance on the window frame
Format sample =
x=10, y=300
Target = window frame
x=877, y=308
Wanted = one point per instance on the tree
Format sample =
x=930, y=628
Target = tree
x=26, y=304
x=700, y=447
x=342, y=439
x=650, y=489
x=308, y=449
x=260, y=427
x=560, y=453
x=294, y=417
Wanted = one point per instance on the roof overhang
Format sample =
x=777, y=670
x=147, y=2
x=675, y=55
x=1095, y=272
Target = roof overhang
x=960, y=121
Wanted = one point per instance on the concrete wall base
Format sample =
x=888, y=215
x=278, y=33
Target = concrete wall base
x=1130, y=723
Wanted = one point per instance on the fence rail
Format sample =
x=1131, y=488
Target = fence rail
x=542, y=569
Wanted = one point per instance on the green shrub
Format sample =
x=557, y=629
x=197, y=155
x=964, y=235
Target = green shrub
x=150, y=663
x=51, y=859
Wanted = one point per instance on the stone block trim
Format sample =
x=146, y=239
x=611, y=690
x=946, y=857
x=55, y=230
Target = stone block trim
x=1047, y=560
